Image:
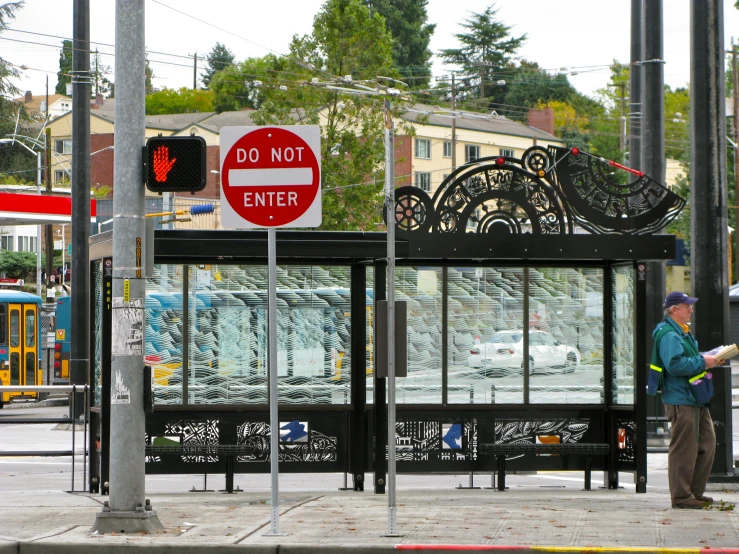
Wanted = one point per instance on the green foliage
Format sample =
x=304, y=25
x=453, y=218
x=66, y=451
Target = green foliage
x=407, y=22
x=346, y=40
x=17, y=265
x=240, y=86
x=680, y=227
x=534, y=86
x=149, y=75
x=218, y=59
x=7, y=71
x=185, y=100
x=487, y=49
x=99, y=70
x=17, y=165
x=64, y=75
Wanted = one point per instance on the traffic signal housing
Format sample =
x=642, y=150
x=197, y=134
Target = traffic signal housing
x=175, y=164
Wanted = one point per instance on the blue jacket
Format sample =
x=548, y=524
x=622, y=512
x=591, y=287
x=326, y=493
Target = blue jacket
x=679, y=366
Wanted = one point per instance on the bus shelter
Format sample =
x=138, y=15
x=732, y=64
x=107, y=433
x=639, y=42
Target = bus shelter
x=525, y=284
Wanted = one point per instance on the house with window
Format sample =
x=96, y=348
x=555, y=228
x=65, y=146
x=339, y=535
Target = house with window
x=427, y=158
x=423, y=159
x=36, y=105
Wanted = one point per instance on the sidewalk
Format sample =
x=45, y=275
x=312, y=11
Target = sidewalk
x=546, y=518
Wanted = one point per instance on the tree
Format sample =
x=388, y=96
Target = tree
x=149, y=72
x=17, y=265
x=346, y=40
x=241, y=86
x=185, y=100
x=532, y=86
x=487, y=49
x=7, y=71
x=64, y=76
x=218, y=59
x=98, y=70
x=407, y=22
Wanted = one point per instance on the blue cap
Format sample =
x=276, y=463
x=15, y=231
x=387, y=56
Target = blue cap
x=677, y=297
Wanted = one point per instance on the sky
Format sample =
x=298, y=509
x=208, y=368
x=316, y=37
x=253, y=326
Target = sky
x=584, y=36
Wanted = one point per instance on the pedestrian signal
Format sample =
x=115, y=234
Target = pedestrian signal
x=175, y=164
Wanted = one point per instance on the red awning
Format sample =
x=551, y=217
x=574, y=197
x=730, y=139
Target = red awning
x=33, y=209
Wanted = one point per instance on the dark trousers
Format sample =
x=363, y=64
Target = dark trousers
x=691, y=452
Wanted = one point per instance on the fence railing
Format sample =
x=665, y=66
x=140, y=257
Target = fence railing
x=73, y=391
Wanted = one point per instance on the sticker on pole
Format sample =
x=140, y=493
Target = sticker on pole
x=271, y=176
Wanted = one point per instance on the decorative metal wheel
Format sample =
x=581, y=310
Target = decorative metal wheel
x=536, y=159
x=413, y=209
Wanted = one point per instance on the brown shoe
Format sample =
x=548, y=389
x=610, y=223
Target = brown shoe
x=693, y=504
x=705, y=499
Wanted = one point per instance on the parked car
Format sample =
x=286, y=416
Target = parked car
x=502, y=354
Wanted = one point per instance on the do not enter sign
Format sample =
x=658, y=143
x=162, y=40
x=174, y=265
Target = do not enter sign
x=271, y=176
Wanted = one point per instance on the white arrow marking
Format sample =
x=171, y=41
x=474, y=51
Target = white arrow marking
x=270, y=177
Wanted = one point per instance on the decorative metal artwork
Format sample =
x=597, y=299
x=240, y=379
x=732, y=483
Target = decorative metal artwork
x=526, y=431
x=195, y=432
x=547, y=191
x=421, y=441
x=294, y=446
x=628, y=452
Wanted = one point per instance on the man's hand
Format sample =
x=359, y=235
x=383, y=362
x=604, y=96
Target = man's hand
x=162, y=163
x=711, y=361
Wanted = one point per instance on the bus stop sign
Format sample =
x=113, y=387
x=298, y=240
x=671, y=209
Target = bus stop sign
x=271, y=176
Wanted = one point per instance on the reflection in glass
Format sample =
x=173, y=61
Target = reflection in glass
x=164, y=332
x=485, y=347
x=421, y=289
x=369, y=333
x=623, y=334
x=227, y=354
x=566, y=336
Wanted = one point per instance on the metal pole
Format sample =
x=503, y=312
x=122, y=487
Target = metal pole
x=637, y=76
x=39, y=291
x=735, y=88
x=80, y=305
x=127, y=510
x=274, y=422
x=389, y=211
x=653, y=142
x=454, y=128
x=708, y=215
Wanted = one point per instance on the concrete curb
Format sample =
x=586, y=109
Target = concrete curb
x=82, y=548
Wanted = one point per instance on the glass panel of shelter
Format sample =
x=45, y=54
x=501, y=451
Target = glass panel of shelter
x=225, y=357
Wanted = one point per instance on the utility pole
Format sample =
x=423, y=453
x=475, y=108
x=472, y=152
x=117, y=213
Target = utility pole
x=195, y=73
x=97, y=74
x=128, y=510
x=735, y=91
x=636, y=80
x=709, y=210
x=653, y=144
x=80, y=282
x=454, y=126
x=49, y=238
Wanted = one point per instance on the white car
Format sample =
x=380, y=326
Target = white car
x=503, y=353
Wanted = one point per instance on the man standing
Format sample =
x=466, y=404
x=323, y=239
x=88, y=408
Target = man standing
x=693, y=442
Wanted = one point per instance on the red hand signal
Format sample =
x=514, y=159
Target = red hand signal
x=162, y=163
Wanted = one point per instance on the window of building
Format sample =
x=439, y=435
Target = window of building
x=471, y=152
x=423, y=181
x=22, y=244
x=506, y=152
x=447, y=149
x=423, y=149
x=6, y=243
x=63, y=146
x=59, y=175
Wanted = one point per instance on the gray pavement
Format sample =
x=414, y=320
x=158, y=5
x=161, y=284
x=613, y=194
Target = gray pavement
x=557, y=514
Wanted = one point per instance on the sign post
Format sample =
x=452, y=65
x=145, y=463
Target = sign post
x=271, y=177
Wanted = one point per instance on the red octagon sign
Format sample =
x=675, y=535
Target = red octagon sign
x=270, y=176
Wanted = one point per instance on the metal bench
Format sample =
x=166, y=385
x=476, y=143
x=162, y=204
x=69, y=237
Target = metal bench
x=563, y=449
x=230, y=451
